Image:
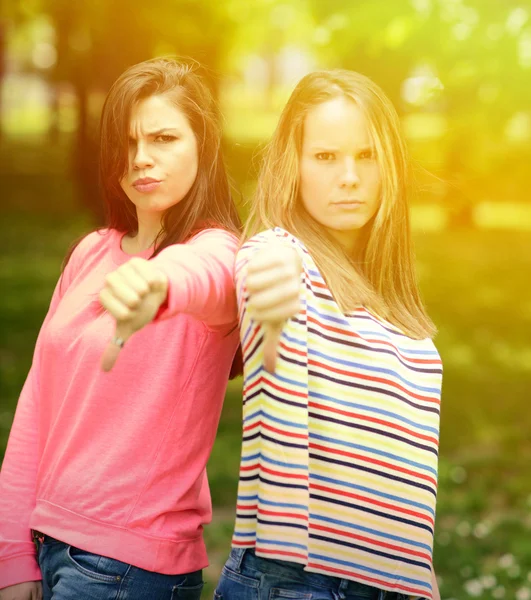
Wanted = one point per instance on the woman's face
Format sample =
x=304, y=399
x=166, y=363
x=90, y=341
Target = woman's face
x=339, y=173
x=163, y=156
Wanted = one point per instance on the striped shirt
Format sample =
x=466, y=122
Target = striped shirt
x=340, y=445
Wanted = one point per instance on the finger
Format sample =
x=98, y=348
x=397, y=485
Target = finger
x=134, y=279
x=273, y=257
x=114, y=306
x=155, y=278
x=265, y=259
x=271, y=341
x=118, y=284
x=112, y=350
x=38, y=592
x=282, y=294
x=258, y=281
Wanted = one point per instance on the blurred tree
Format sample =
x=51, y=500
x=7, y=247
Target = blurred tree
x=96, y=41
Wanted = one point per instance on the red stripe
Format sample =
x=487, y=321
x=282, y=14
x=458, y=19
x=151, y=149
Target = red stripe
x=249, y=342
x=249, y=467
x=272, y=513
x=394, y=507
x=372, y=541
x=373, y=461
x=300, y=436
x=250, y=386
x=249, y=427
x=287, y=390
x=346, y=413
x=347, y=333
x=372, y=378
x=378, y=582
x=292, y=349
x=285, y=475
x=281, y=553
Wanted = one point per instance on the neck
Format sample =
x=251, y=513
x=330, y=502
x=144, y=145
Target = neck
x=149, y=226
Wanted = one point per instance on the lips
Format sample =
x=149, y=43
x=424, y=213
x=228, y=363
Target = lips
x=146, y=184
x=348, y=203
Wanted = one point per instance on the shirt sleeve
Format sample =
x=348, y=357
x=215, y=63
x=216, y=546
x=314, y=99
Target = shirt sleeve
x=201, y=278
x=18, y=477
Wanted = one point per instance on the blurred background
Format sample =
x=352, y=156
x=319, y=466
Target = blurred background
x=459, y=72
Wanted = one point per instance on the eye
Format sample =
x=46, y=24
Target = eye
x=165, y=138
x=366, y=155
x=325, y=156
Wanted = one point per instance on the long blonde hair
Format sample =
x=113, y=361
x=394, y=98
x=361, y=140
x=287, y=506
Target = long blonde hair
x=382, y=276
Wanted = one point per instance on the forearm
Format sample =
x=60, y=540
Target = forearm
x=200, y=279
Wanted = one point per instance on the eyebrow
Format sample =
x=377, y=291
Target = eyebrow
x=325, y=148
x=158, y=132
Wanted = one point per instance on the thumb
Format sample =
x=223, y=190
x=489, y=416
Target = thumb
x=111, y=352
x=272, y=335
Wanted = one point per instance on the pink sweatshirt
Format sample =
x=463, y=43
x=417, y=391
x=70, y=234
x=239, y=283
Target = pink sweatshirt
x=114, y=463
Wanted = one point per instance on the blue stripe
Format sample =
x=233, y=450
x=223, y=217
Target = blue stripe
x=347, y=563
x=374, y=492
x=405, y=461
x=242, y=497
x=283, y=464
x=273, y=462
x=366, y=367
x=294, y=340
x=278, y=543
x=244, y=534
x=403, y=351
x=374, y=532
x=282, y=504
x=252, y=457
x=373, y=409
x=248, y=331
x=275, y=419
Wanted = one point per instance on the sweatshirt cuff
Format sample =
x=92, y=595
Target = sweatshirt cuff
x=19, y=569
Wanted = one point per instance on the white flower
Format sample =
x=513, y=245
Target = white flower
x=474, y=588
x=506, y=561
x=488, y=581
x=523, y=593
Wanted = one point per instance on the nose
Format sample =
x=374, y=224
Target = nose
x=141, y=158
x=350, y=177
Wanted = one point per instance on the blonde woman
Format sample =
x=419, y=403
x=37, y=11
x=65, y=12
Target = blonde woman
x=342, y=384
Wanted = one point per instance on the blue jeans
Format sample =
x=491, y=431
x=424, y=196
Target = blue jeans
x=246, y=576
x=69, y=573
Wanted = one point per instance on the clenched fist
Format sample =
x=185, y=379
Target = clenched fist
x=133, y=295
x=273, y=284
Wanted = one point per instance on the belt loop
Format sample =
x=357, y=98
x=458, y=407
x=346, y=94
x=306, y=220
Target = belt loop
x=236, y=555
x=382, y=594
x=342, y=589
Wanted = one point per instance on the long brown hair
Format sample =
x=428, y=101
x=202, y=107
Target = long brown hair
x=209, y=200
x=382, y=277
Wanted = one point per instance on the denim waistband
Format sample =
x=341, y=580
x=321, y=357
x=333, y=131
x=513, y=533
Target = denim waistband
x=245, y=559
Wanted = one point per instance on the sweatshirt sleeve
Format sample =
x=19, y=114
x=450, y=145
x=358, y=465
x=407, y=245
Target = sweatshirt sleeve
x=18, y=476
x=201, y=278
